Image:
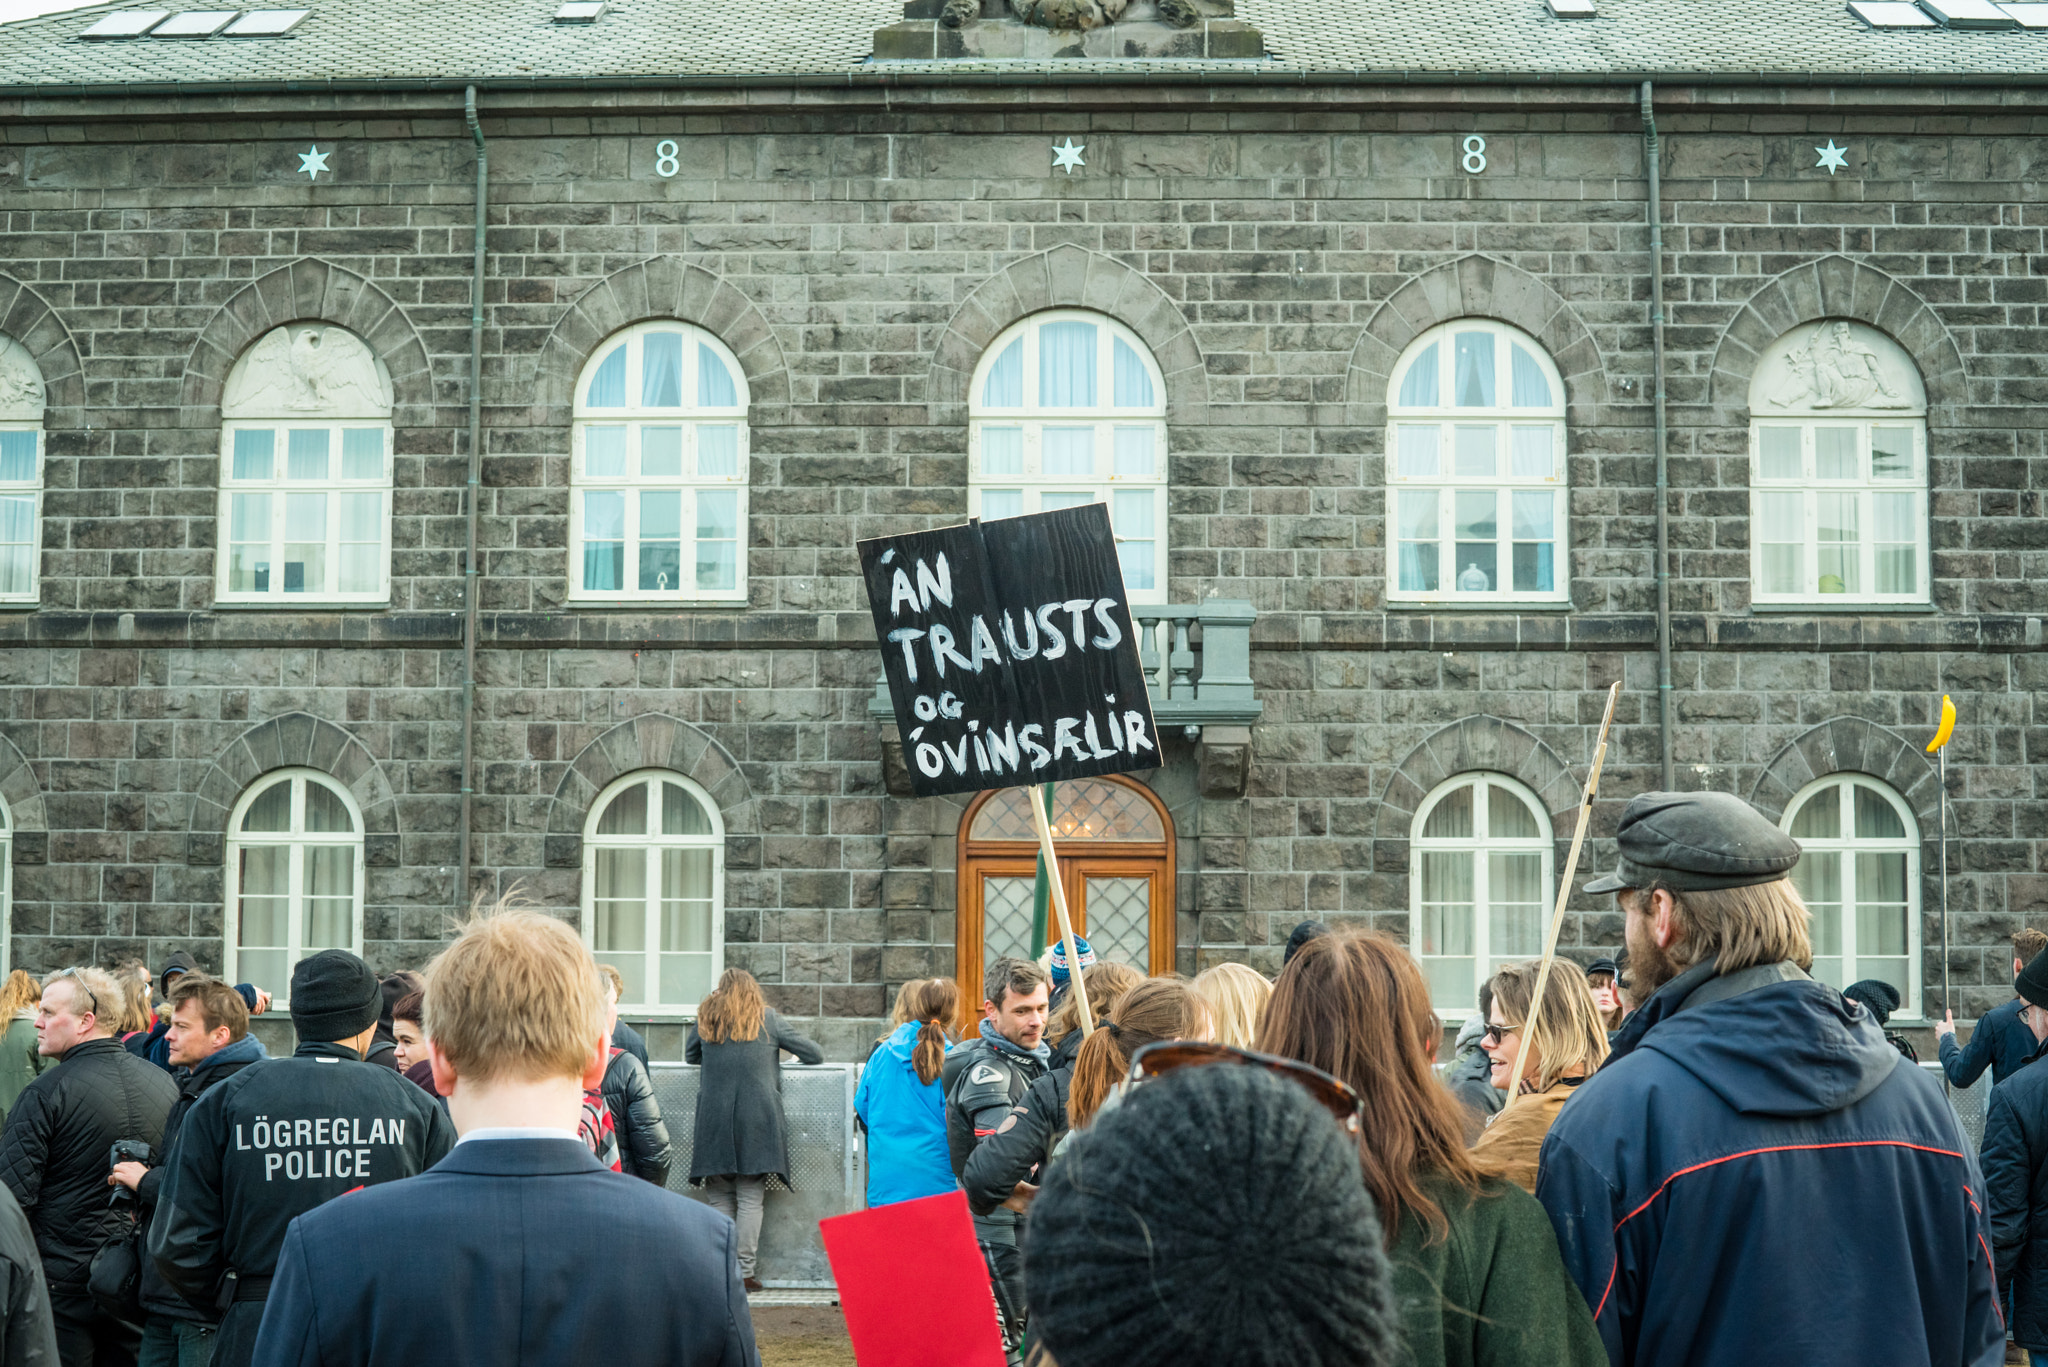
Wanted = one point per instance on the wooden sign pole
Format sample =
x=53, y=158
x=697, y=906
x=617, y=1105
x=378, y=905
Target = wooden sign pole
x=1534, y=1025
x=1059, y=903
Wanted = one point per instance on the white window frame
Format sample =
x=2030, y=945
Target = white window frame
x=1478, y=845
x=298, y=838
x=1864, y=487
x=1446, y=416
x=279, y=488
x=6, y=888
x=1842, y=787
x=1032, y=485
x=636, y=418
x=654, y=845
x=33, y=488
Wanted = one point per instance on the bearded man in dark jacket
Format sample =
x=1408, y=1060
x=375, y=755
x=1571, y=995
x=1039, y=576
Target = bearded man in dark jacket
x=55, y=1153
x=1752, y=1130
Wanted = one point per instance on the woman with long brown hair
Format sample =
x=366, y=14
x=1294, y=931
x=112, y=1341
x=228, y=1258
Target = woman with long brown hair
x=901, y=1102
x=1571, y=1045
x=1476, y=1266
x=19, y=1062
x=1156, y=1009
x=740, y=1141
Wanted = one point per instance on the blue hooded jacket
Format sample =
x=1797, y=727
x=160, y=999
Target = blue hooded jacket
x=906, y=1122
x=1759, y=1178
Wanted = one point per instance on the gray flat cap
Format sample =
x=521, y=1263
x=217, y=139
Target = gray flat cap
x=1697, y=842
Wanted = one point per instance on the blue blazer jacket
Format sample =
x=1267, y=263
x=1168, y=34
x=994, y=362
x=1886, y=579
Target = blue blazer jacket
x=509, y=1251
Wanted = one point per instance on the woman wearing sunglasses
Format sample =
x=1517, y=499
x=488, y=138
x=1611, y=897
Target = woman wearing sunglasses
x=1572, y=1043
x=1476, y=1267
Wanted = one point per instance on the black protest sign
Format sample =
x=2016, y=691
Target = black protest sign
x=1010, y=652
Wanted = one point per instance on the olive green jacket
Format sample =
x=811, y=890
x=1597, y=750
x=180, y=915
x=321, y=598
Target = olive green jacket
x=1494, y=1292
x=19, y=1061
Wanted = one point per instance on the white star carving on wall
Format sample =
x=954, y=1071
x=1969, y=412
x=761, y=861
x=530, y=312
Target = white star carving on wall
x=1831, y=158
x=1068, y=156
x=314, y=161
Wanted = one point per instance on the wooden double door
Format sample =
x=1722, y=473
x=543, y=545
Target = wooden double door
x=1115, y=846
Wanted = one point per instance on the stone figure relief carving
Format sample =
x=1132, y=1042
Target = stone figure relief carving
x=308, y=370
x=1835, y=366
x=21, y=383
x=1076, y=15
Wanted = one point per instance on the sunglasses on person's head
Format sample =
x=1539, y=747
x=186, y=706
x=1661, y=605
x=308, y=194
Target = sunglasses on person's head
x=1333, y=1095
x=73, y=974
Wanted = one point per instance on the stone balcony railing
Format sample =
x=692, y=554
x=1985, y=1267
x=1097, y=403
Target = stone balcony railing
x=1197, y=660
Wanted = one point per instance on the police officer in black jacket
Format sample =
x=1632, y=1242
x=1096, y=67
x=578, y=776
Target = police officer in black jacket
x=284, y=1136
x=982, y=1081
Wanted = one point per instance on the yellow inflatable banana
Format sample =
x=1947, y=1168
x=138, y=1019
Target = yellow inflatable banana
x=1947, y=727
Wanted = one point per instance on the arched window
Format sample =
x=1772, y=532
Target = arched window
x=1479, y=883
x=305, y=471
x=1069, y=408
x=1115, y=847
x=654, y=889
x=1859, y=874
x=21, y=472
x=1838, y=469
x=1476, y=469
x=295, y=877
x=660, y=470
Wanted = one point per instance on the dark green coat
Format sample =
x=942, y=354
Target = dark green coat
x=1492, y=1294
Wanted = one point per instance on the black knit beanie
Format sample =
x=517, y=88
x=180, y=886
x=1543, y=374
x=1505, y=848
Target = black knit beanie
x=1302, y=934
x=1879, y=998
x=1216, y=1216
x=334, y=997
x=2032, y=982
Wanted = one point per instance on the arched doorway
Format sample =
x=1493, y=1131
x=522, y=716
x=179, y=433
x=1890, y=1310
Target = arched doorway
x=1115, y=846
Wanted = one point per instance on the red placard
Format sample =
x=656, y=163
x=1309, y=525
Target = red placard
x=913, y=1285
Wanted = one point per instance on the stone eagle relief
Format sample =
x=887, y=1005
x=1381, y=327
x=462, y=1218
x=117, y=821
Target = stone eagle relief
x=1835, y=366
x=21, y=384
x=308, y=370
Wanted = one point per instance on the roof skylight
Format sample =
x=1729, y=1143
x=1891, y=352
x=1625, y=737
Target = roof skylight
x=581, y=11
x=1890, y=14
x=1968, y=13
x=265, y=23
x=127, y=23
x=195, y=23
x=2027, y=16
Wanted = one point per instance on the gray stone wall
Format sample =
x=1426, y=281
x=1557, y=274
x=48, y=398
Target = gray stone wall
x=1276, y=250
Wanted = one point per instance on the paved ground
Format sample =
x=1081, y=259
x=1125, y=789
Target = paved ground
x=802, y=1336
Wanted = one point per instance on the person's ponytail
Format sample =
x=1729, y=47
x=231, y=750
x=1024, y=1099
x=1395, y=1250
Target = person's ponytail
x=933, y=1001
x=1098, y=1065
x=1156, y=1009
x=930, y=1054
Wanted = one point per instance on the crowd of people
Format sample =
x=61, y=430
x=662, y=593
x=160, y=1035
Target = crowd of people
x=155, y=1161
x=1696, y=1154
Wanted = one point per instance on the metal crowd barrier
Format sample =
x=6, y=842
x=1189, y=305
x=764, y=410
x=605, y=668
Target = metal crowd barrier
x=817, y=1111
x=1971, y=1104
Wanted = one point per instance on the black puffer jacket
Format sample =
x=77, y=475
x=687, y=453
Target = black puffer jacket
x=54, y=1151
x=643, y=1138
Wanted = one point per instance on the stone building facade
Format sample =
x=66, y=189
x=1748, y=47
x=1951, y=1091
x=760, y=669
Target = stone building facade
x=1278, y=249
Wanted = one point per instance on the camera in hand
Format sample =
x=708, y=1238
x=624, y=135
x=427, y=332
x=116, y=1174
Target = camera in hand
x=127, y=1151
